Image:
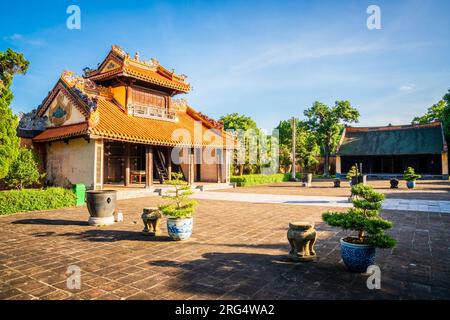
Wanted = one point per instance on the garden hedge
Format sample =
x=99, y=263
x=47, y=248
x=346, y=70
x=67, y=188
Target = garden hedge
x=257, y=179
x=13, y=201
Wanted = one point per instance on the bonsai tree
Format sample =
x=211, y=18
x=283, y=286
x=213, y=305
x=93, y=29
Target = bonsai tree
x=181, y=207
x=353, y=172
x=411, y=175
x=363, y=218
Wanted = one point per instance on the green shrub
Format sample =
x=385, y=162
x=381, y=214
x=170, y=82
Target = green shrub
x=24, y=170
x=411, y=175
x=13, y=201
x=364, y=218
x=257, y=179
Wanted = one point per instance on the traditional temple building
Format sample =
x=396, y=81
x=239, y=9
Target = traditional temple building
x=119, y=125
x=388, y=151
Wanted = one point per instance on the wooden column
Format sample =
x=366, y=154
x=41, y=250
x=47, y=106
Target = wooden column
x=169, y=162
x=127, y=165
x=191, y=167
x=338, y=166
x=148, y=166
x=219, y=159
x=444, y=160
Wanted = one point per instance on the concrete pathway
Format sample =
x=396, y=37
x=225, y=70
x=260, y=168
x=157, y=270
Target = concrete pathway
x=342, y=202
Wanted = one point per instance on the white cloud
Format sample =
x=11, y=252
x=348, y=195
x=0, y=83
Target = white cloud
x=298, y=51
x=18, y=38
x=408, y=87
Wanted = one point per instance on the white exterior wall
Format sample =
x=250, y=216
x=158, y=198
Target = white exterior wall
x=71, y=163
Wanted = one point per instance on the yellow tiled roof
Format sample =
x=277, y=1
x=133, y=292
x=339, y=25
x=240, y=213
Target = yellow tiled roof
x=114, y=123
x=148, y=71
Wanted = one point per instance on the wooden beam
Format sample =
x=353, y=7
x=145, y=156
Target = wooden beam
x=148, y=166
x=191, y=166
x=218, y=165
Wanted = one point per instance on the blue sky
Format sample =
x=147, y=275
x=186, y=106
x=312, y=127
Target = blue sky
x=266, y=59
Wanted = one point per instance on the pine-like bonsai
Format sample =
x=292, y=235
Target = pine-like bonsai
x=353, y=172
x=181, y=207
x=411, y=175
x=363, y=218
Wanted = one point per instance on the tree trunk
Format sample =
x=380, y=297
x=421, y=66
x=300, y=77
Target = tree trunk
x=326, y=164
x=361, y=235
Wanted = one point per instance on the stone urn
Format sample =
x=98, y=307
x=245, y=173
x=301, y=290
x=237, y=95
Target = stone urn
x=101, y=205
x=394, y=183
x=302, y=237
x=151, y=217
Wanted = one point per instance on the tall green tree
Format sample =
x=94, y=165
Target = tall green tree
x=306, y=147
x=285, y=157
x=439, y=111
x=328, y=123
x=249, y=132
x=434, y=113
x=11, y=63
x=285, y=132
x=445, y=119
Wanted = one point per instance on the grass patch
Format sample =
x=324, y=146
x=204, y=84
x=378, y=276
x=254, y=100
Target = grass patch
x=248, y=180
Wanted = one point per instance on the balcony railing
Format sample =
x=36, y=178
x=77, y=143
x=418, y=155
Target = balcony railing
x=146, y=111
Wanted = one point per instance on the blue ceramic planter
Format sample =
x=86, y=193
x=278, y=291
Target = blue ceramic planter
x=180, y=229
x=357, y=257
x=410, y=184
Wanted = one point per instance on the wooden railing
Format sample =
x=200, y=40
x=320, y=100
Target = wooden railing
x=146, y=111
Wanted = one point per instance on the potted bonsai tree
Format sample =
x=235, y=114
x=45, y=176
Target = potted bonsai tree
x=179, y=213
x=410, y=176
x=352, y=176
x=359, y=252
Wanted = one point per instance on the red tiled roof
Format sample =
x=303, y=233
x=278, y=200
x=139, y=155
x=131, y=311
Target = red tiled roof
x=62, y=132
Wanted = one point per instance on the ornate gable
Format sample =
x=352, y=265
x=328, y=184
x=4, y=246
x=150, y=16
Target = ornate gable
x=110, y=65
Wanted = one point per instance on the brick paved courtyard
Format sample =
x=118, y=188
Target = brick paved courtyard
x=424, y=190
x=238, y=251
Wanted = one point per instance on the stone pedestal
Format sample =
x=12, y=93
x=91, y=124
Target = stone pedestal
x=302, y=237
x=337, y=183
x=364, y=179
x=307, y=180
x=101, y=221
x=151, y=217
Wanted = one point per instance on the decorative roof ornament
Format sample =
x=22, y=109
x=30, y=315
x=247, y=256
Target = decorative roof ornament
x=218, y=124
x=152, y=63
x=87, y=71
x=118, y=50
x=30, y=121
x=136, y=56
